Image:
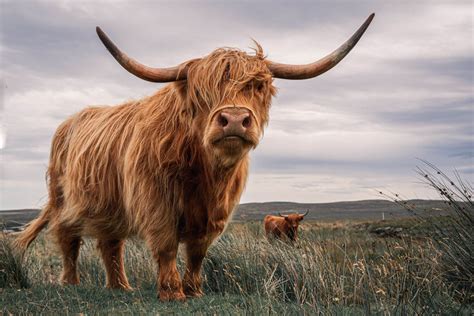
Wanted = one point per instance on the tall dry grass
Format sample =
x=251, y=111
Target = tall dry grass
x=327, y=270
x=453, y=233
x=335, y=269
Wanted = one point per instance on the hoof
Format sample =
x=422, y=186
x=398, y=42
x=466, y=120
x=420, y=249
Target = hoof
x=123, y=287
x=166, y=296
x=194, y=294
x=69, y=281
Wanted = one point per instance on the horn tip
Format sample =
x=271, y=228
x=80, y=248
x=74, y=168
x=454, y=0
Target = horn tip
x=100, y=33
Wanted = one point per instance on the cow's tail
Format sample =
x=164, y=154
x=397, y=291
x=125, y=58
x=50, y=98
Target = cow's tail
x=32, y=229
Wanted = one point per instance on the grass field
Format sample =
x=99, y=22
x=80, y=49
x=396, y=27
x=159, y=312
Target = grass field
x=335, y=268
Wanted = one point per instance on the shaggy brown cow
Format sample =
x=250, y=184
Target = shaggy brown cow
x=168, y=168
x=283, y=226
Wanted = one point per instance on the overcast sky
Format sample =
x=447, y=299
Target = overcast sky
x=404, y=92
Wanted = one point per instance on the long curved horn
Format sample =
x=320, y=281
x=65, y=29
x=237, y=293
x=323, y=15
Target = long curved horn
x=147, y=73
x=285, y=71
x=306, y=213
x=282, y=215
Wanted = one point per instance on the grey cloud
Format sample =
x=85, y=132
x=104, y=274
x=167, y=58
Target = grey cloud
x=458, y=68
x=410, y=76
x=468, y=171
x=456, y=114
x=464, y=154
x=288, y=163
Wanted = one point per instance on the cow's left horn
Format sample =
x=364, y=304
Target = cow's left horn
x=306, y=213
x=147, y=73
x=285, y=71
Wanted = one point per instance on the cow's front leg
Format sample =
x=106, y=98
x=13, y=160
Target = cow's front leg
x=169, y=281
x=195, y=252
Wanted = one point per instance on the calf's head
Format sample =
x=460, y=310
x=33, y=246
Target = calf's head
x=292, y=222
x=229, y=91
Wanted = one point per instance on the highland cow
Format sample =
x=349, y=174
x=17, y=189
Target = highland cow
x=284, y=227
x=169, y=168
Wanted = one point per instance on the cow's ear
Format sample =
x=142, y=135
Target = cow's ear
x=182, y=91
x=182, y=88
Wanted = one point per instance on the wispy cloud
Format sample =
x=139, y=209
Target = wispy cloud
x=404, y=92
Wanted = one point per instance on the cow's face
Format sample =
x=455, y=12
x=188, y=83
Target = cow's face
x=293, y=220
x=231, y=93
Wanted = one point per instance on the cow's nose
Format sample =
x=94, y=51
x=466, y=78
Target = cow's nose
x=234, y=120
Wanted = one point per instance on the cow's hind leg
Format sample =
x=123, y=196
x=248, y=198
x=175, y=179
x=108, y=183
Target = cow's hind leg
x=69, y=244
x=112, y=252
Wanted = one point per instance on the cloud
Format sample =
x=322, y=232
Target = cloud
x=3, y=137
x=405, y=91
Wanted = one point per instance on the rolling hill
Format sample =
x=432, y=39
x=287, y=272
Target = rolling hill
x=353, y=210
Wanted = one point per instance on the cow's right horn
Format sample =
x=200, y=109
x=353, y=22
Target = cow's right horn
x=282, y=215
x=176, y=73
x=286, y=71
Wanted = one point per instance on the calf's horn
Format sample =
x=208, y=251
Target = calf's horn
x=147, y=73
x=285, y=71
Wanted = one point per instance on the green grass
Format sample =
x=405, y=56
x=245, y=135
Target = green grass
x=335, y=268
x=53, y=299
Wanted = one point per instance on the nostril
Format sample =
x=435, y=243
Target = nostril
x=222, y=121
x=246, y=122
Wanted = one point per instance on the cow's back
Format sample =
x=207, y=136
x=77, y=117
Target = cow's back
x=87, y=160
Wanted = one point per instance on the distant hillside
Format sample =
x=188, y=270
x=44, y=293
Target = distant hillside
x=355, y=210
x=16, y=218
x=361, y=210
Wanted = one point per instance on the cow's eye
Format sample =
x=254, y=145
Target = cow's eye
x=249, y=86
x=227, y=72
x=257, y=86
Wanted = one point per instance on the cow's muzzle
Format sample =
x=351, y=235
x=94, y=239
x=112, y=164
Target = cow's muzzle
x=233, y=124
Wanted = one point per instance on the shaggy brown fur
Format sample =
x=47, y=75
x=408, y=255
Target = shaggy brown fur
x=159, y=168
x=282, y=227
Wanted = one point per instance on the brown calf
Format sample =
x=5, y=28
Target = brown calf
x=283, y=226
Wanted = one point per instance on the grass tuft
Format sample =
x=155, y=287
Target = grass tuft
x=453, y=233
x=12, y=272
